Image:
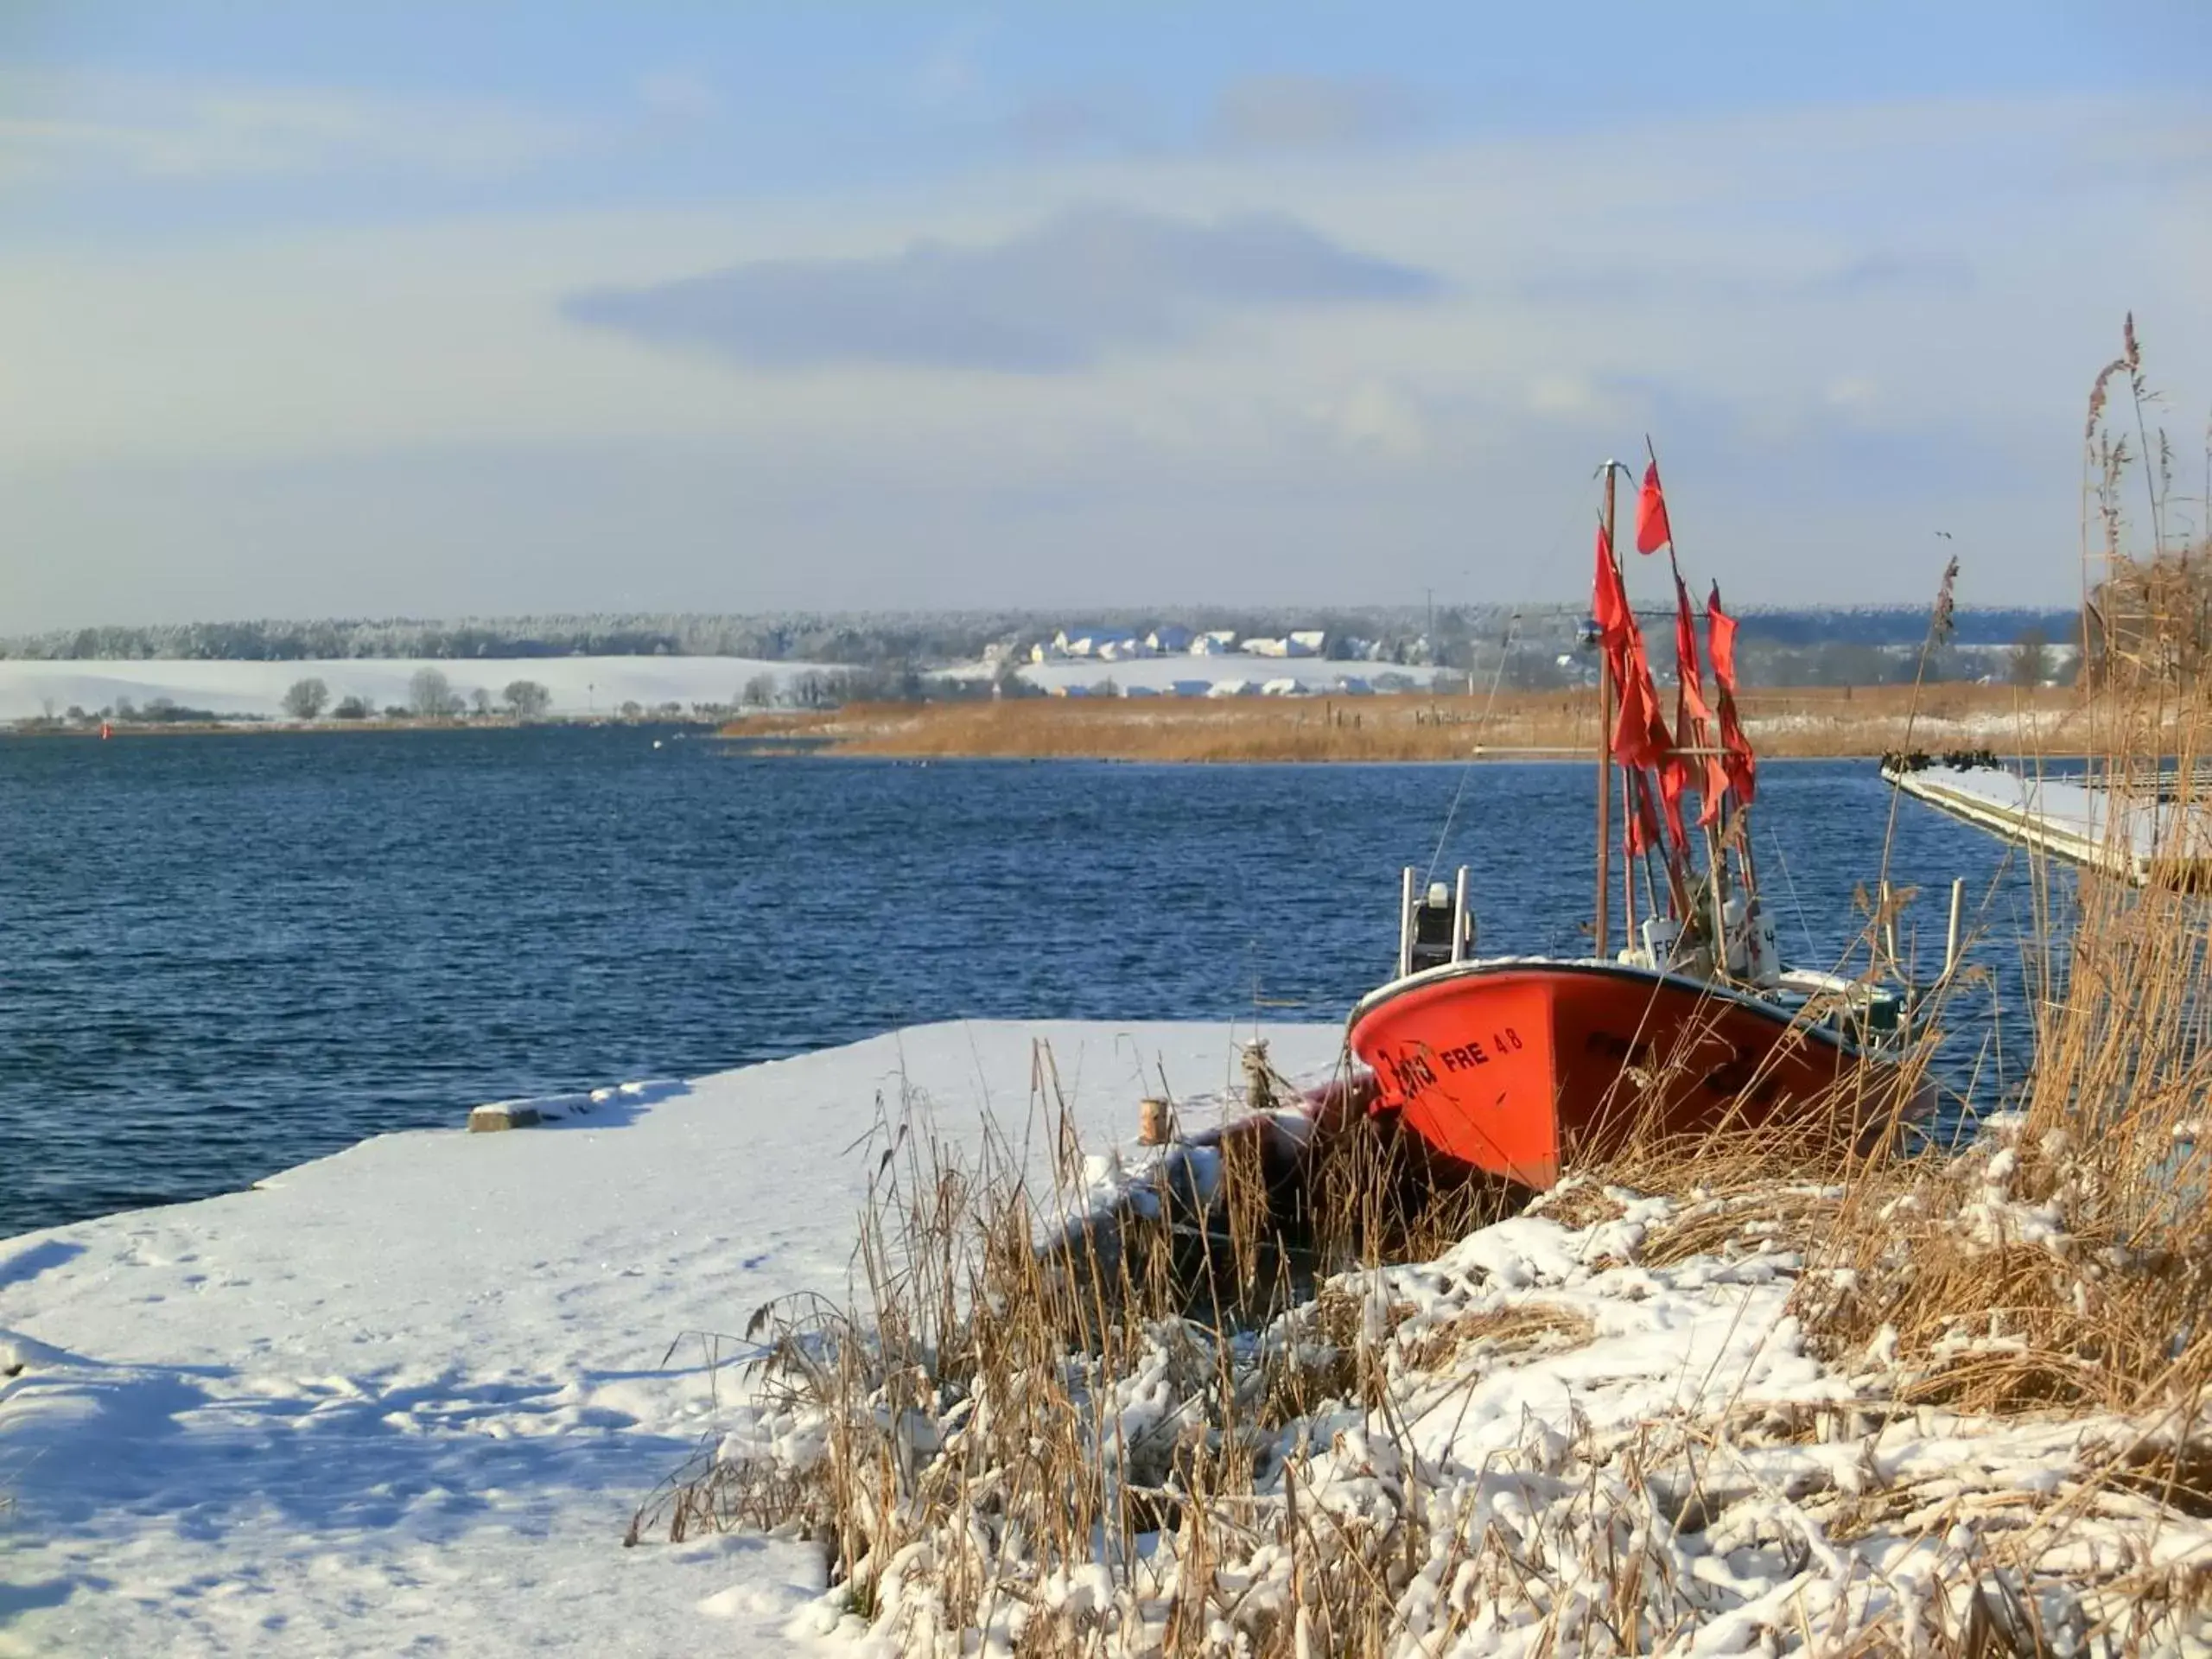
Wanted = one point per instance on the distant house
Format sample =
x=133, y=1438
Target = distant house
x=1140, y=691
x=1169, y=639
x=1051, y=651
x=1283, y=688
x=1192, y=688
x=1231, y=689
x=1352, y=686
x=1265, y=647
x=1308, y=642
x=1215, y=642
x=1095, y=643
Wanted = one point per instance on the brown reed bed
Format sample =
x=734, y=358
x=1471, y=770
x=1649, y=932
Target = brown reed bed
x=1810, y=723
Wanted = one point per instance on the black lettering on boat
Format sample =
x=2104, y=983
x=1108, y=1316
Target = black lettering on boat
x=1617, y=1047
x=1732, y=1077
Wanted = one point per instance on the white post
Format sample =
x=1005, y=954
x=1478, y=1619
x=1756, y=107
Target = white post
x=1459, y=918
x=1951, y=939
x=1406, y=923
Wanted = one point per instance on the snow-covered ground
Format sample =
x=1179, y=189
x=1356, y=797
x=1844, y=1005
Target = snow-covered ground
x=579, y=685
x=405, y=1399
x=1165, y=674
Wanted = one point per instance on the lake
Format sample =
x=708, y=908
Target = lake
x=227, y=955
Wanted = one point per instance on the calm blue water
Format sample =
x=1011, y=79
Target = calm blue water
x=222, y=956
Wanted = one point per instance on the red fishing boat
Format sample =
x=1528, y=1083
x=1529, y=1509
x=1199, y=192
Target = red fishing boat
x=1515, y=1065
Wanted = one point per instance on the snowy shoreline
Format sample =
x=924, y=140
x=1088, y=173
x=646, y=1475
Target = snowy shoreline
x=413, y=1392
x=409, y=1397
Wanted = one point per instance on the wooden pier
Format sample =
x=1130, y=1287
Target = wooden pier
x=2143, y=833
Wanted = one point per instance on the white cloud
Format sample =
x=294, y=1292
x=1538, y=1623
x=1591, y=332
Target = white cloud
x=680, y=94
x=1853, y=393
x=1870, y=321
x=1379, y=418
x=1053, y=298
x=1562, y=394
x=88, y=127
x=949, y=74
x=1293, y=112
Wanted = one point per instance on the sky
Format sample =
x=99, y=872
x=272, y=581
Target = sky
x=493, y=308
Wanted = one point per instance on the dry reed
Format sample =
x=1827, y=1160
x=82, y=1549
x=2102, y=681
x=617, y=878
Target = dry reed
x=1869, y=720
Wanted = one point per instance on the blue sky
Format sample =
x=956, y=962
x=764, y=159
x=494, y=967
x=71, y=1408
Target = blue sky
x=501, y=307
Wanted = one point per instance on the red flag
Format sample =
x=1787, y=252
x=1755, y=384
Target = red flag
x=1742, y=766
x=1640, y=732
x=1642, y=822
x=1608, y=601
x=1689, y=672
x=1632, y=726
x=1639, y=737
x=1693, y=716
x=1673, y=777
x=1652, y=530
x=1632, y=737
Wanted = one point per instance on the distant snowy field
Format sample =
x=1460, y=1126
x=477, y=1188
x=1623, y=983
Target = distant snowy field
x=405, y=1399
x=579, y=684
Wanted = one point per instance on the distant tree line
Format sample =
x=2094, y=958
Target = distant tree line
x=892, y=655
x=430, y=696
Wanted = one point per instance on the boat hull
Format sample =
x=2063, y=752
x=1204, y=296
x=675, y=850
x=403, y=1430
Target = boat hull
x=1515, y=1067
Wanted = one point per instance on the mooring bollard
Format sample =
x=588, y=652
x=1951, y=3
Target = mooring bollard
x=503, y=1114
x=1259, y=1077
x=1156, y=1121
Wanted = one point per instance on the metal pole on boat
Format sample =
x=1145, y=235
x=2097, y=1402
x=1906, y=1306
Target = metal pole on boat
x=1628, y=875
x=1405, y=923
x=1459, y=918
x=1951, y=937
x=1600, y=927
x=1889, y=926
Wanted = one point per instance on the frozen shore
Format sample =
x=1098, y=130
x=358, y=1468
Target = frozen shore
x=406, y=1398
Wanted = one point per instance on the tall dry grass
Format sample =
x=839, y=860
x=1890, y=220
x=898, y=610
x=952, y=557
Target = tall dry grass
x=1027, y=1390
x=2066, y=1266
x=1807, y=724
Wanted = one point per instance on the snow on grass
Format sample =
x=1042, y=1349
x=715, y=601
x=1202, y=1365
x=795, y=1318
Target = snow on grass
x=408, y=1397
x=1616, y=1424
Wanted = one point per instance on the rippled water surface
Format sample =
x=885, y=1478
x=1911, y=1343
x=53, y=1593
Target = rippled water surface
x=225, y=955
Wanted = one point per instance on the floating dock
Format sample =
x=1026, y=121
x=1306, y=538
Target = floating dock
x=2150, y=830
